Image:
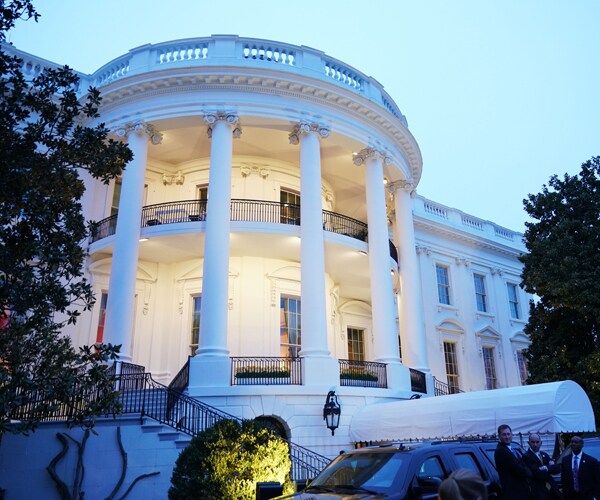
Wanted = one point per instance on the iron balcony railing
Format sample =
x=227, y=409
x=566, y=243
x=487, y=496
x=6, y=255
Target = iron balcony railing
x=362, y=373
x=266, y=371
x=241, y=210
x=442, y=388
x=418, y=382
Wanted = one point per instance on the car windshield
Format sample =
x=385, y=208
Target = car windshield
x=375, y=472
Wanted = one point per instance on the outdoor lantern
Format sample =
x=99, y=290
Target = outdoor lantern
x=332, y=412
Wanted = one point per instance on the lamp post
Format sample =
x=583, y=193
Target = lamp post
x=332, y=412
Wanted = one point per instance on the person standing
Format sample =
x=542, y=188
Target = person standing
x=580, y=473
x=514, y=474
x=543, y=486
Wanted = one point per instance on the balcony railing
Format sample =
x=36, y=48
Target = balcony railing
x=442, y=388
x=362, y=373
x=266, y=371
x=241, y=210
x=418, y=382
x=227, y=50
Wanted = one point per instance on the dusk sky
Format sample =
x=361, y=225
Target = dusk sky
x=499, y=95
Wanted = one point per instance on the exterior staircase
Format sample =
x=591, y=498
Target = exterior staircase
x=171, y=407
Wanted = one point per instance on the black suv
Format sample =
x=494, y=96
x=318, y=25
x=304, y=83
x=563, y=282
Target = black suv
x=401, y=471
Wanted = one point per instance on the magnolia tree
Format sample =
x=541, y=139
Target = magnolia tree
x=44, y=147
x=562, y=268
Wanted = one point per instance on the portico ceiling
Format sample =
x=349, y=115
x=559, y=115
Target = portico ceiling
x=185, y=139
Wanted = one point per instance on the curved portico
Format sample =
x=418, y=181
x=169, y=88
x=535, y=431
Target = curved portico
x=289, y=94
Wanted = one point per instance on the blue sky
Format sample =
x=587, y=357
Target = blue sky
x=499, y=95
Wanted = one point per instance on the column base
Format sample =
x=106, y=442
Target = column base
x=320, y=371
x=209, y=371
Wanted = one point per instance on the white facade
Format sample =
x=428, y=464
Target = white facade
x=257, y=128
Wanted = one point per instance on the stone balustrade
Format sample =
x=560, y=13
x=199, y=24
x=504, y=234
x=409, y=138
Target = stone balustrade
x=428, y=209
x=229, y=50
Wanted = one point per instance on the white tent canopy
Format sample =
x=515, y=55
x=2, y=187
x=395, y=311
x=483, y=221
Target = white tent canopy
x=552, y=407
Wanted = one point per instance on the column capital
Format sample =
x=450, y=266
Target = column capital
x=140, y=127
x=364, y=154
x=401, y=185
x=303, y=128
x=231, y=119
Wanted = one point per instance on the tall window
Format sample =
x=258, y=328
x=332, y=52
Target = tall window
x=490, y=367
x=202, y=192
x=513, y=300
x=101, y=318
x=289, y=207
x=443, y=284
x=290, y=327
x=114, y=206
x=480, y=296
x=195, y=333
x=451, y=366
x=523, y=371
x=356, y=344
x=116, y=198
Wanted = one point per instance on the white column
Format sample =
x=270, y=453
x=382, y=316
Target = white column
x=215, y=276
x=121, y=291
x=385, y=333
x=412, y=325
x=318, y=367
x=312, y=250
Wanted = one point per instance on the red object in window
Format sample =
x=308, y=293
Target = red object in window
x=100, y=332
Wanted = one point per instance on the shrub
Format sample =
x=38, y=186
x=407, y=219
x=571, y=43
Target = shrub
x=358, y=374
x=227, y=460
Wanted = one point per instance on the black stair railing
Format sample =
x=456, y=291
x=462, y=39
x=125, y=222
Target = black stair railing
x=442, y=388
x=178, y=385
x=140, y=393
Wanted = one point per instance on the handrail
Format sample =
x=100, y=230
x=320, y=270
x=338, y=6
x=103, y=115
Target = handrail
x=266, y=371
x=141, y=394
x=442, y=388
x=362, y=373
x=178, y=385
x=275, y=212
x=174, y=212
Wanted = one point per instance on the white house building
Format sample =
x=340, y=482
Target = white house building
x=269, y=227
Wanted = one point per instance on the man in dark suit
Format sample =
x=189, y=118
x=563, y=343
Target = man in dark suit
x=514, y=474
x=542, y=467
x=580, y=473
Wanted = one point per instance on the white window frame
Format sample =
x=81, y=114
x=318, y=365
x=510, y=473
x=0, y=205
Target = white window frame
x=443, y=286
x=494, y=365
x=454, y=376
x=514, y=305
x=297, y=345
x=194, y=346
x=481, y=297
x=361, y=342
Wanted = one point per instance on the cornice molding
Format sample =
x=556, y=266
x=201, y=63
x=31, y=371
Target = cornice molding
x=124, y=92
x=473, y=240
